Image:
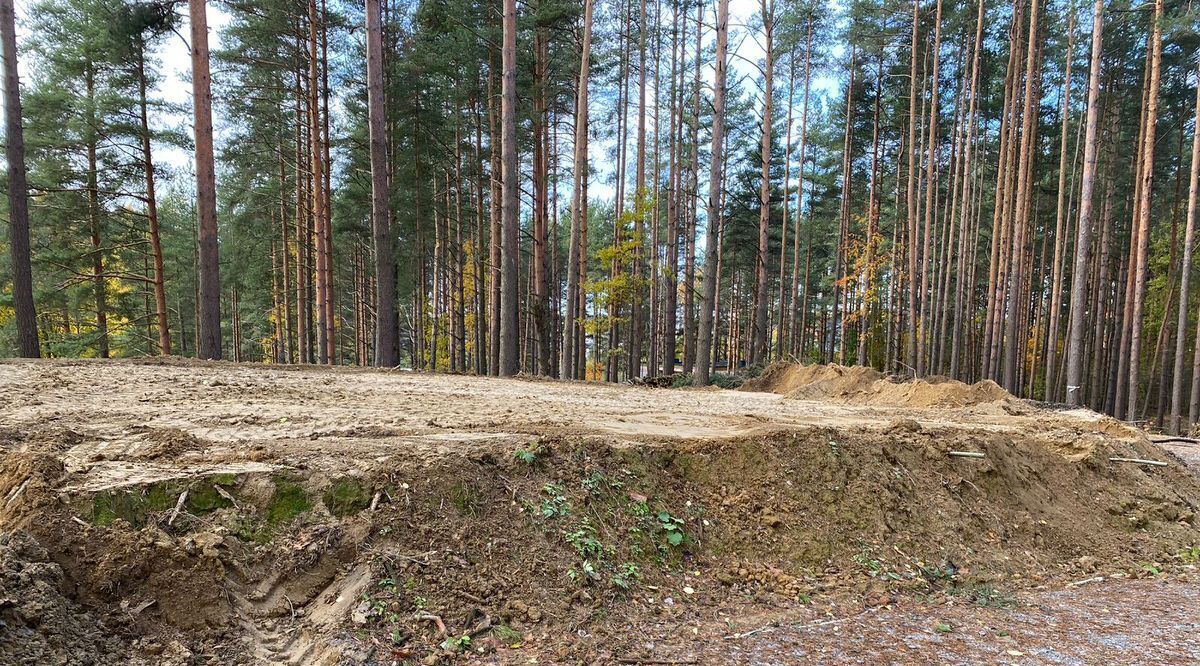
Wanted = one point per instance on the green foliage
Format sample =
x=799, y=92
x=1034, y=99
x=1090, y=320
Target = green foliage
x=554, y=505
x=506, y=634
x=457, y=643
x=627, y=576
x=288, y=502
x=672, y=528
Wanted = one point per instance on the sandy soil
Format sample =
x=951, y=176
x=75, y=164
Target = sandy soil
x=346, y=417
x=117, y=426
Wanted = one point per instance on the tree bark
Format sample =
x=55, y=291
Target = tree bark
x=704, y=347
x=1013, y=329
x=1050, y=391
x=1143, y=213
x=758, y=342
x=209, y=345
x=1189, y=236
x=579, y=168
x=509, y=360
x=18, y=191
x=386, y=339
x=1077, y=323
x=910, y=347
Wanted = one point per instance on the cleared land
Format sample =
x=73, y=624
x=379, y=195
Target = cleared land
x=186, y=512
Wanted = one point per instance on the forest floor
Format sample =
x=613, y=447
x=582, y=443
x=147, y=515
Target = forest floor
x=179, y=512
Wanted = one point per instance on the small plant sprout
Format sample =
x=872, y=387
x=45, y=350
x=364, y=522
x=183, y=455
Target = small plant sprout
x=672, y=527
x=457, y=644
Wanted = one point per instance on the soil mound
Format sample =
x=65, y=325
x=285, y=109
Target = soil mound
x=166, y=442
x=39, y=622
x=866, y=386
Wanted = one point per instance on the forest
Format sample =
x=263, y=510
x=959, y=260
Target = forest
x=616, y=189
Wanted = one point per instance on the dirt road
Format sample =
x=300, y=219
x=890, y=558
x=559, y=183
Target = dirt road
x=252, y=514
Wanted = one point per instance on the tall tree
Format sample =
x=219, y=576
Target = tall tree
x=1077, y=323
x=510, y=223
x=386, y=349
x=18, y=190
x=1189, y=240
x=575, y=249
x=758, y=343
x=705, y=336
x=209, y=345
x=1142, y=210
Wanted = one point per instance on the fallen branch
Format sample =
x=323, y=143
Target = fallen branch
x=747, y=634
x=1138, y=461
x=1183, y=440
x=178, y=507
x=966, y=454
x=1085, y=581
x=375, y=500
x=430, y=617
x=636, y=660
x=223, y=493
x=17, y=493
x=838, y=620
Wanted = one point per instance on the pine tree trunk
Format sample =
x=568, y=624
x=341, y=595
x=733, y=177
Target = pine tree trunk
x=1143, y=214
x=99, y=280
x=705, y=337
x=509, y=361
x=1083, y=240
x=495, y=236
x=923, y=325
x=575, y=251
x=1050, y=391
x=693, y=206
x=963, y=286
x=539, y=305
x=758, y=342
x=1014, y=332
x=18, y=191
x=911, y=350
x=1189, y=236
x=386, y=327
x=160, y=293
x=671, y=264
x=796, y=328
x=778, y=350
x=637, y=309
x=209, y=345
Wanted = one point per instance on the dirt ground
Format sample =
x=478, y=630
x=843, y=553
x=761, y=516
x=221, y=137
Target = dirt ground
x=187, y=513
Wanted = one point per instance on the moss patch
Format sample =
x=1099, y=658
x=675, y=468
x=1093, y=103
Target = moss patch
x=288, y=502
x=134, y=505
x=347, y=496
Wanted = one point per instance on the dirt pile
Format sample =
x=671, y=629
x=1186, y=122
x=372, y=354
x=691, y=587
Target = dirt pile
x=39, y=621
x=866, y=386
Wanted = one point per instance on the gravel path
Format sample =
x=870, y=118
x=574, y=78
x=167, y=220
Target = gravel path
x=1147, y=621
